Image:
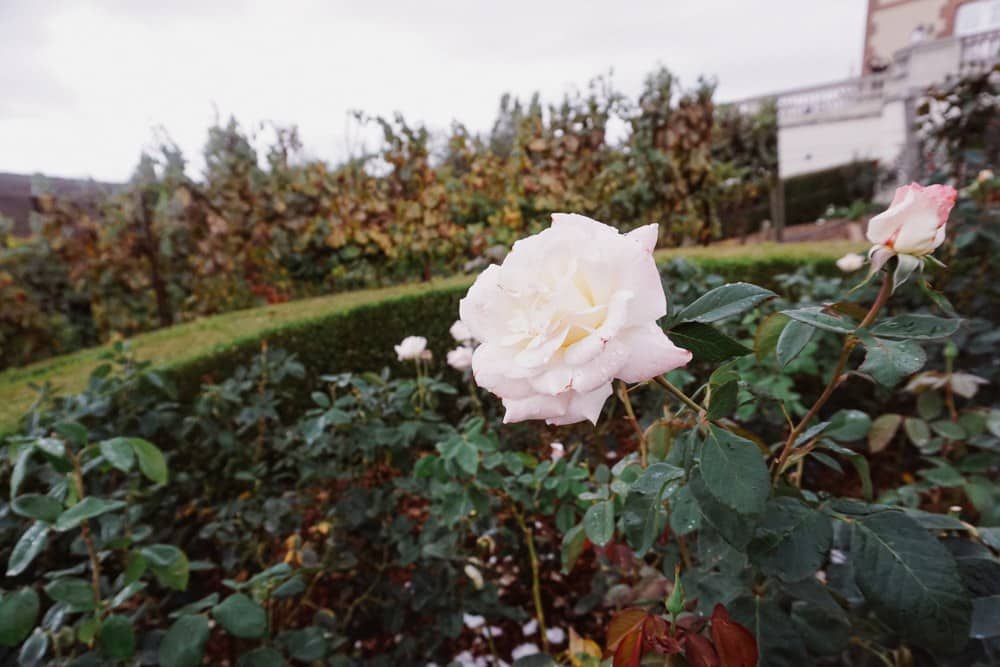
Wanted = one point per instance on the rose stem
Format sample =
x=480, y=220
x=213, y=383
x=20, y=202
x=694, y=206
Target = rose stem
x=838, y=371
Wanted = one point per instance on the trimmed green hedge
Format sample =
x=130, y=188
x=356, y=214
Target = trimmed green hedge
x=807, y=196
x=355, y=331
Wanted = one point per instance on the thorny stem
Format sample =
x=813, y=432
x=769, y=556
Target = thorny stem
x=536, y=584
x=837, y=377
x=88, y=540
x=622, y=393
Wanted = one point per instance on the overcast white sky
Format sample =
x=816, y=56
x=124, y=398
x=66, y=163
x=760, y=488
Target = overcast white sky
x=84, y=83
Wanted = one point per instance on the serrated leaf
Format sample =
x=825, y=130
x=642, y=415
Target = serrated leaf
x=820, y=318
x=26, y=549
x=792, y=540
x=724, y=301
x=643, y=514
x=735, y=644
x=890, y=361
x=793, y=339
x=734, y=528
x=184, y=643
x=624, y=623
x=916, y=327
x=599, y=522
x=734, y=471
x=911, y=581
x=706, y=343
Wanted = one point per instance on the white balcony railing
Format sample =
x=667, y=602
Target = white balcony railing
x=979, y=51
x=912, y=68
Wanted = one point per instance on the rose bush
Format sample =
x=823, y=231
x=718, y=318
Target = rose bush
x=567, y=312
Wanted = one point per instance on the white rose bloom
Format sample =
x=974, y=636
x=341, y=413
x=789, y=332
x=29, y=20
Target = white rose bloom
x=412, y=347
x=850, y=262
x=523, y=651
x=460, y=332
x=555, y=635
x=460, y=358
x=570, y=309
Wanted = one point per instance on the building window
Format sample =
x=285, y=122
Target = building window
x=977, y=16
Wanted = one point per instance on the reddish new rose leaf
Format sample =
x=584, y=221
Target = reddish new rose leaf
x=735, y=644
x=699, y=652
x=629, y=651
x=625, y=622
x=654, y=626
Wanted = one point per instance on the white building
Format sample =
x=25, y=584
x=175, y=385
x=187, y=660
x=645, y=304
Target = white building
x=909, y=45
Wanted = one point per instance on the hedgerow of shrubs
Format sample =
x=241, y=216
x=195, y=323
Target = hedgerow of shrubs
x=269, y=225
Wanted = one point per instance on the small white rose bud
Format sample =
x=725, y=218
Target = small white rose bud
x=412, y=347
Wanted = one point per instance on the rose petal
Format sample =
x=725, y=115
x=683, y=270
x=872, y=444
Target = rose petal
x=656, y=354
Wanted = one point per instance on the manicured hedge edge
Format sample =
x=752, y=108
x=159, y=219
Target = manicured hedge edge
x=354, y=331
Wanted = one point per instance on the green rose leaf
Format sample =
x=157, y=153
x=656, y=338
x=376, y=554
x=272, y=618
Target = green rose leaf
x=765, y=340
x=241, y=617
x=77, y=593
x=34, y=649
x=723, y=302
x=792, y=540
x=37, y=506
x=848, y=426
x=916, y=327
x=644, y=516
x=169, y=564
x=261, y=657
x=820, y=318
x=184, y=643
x=890, y=361
x=87, y=508
x=18, y=615
x=119, y=453
x=599, y=522
x=911, y=581
x=117, y=637
x=306, y=645
x=151, y=461
x=28, y=546
x=734, y=528
x=706, y=343
x=572, y=546
x=734, y=471
x=793, y=339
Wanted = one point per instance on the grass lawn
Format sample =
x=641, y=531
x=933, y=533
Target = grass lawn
x=187, y=341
